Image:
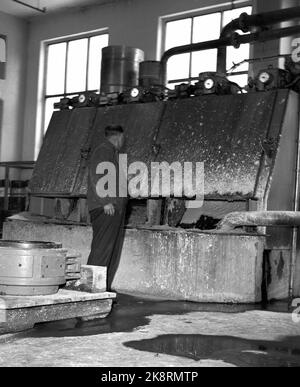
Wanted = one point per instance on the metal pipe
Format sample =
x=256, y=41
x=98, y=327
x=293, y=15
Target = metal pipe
x=245, y=22
x=260, y=219
x=43, y=10
x=234, y=40
x=6, y=189
x=295, y=229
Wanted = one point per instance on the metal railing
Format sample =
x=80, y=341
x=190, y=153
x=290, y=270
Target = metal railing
x=8, y=165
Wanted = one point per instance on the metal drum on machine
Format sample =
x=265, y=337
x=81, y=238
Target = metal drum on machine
x=31, y=268
x=120, y=68
x=150, y=73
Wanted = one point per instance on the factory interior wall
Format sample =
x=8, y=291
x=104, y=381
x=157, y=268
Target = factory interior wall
x=130, y=22
x=12, y=89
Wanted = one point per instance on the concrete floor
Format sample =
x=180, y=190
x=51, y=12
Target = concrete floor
x=159, y=333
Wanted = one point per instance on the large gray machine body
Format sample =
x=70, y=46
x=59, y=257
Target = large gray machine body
x=248, y=143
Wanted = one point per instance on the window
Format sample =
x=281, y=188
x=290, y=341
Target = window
x=73, y=66
x=187, y=67
x=2, y=56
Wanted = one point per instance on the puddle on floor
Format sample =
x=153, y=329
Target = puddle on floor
x=239, y=352
x=130, y=313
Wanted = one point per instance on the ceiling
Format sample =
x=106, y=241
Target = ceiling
x=19, y=10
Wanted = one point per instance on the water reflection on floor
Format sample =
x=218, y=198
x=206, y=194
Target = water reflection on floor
x=236, y=351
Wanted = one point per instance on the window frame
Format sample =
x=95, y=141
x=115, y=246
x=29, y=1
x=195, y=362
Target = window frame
x=3, y=63
x=65, y=94
x=220, y=8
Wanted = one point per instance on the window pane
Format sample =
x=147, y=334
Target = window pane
x=203, y=61
x=228, y=16
x=241, y=80
x=178, y=67
x=235, y=56
x=178, y=33
x=77, y=62
x=56, y=63
x=207, y=27
x=49, y=110
x=2, y=50
x=95, y=57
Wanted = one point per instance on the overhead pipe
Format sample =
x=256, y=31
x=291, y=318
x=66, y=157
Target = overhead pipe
x=246, y=22
x=234, y=40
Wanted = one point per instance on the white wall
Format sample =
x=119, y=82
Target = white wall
x=130, y=22
x=12, y=89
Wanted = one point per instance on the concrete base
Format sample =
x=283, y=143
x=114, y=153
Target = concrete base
x=193, y=266
x=22, y=313
x=169, y=263
x=278, y=274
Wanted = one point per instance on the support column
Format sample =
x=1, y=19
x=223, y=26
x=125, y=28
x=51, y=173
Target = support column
x=154, y=212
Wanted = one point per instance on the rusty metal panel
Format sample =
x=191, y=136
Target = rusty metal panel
x=272, y=146
x=53, y=145
x=73, y=160
x=62, y=156
x=281, y=194
x=224, y=132
x=141, y=123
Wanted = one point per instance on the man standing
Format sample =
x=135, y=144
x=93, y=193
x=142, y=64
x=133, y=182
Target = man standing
x=107, y=213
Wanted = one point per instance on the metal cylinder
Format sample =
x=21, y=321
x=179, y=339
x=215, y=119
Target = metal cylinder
x=150, y=73
x=31, y=268
x=120, y=68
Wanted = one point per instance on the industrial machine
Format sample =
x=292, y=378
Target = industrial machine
x=213, y=83
x=241, y=244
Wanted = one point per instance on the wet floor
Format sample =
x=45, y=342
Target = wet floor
x=129, y=313
x=131, y=316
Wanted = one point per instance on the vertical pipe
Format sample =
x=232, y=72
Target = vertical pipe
x=295, y=229
x=6, y=192
x=286, y=43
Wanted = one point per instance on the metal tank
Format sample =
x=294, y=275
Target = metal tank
x=120, y=68
x=31, y=268
x=150, y=73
